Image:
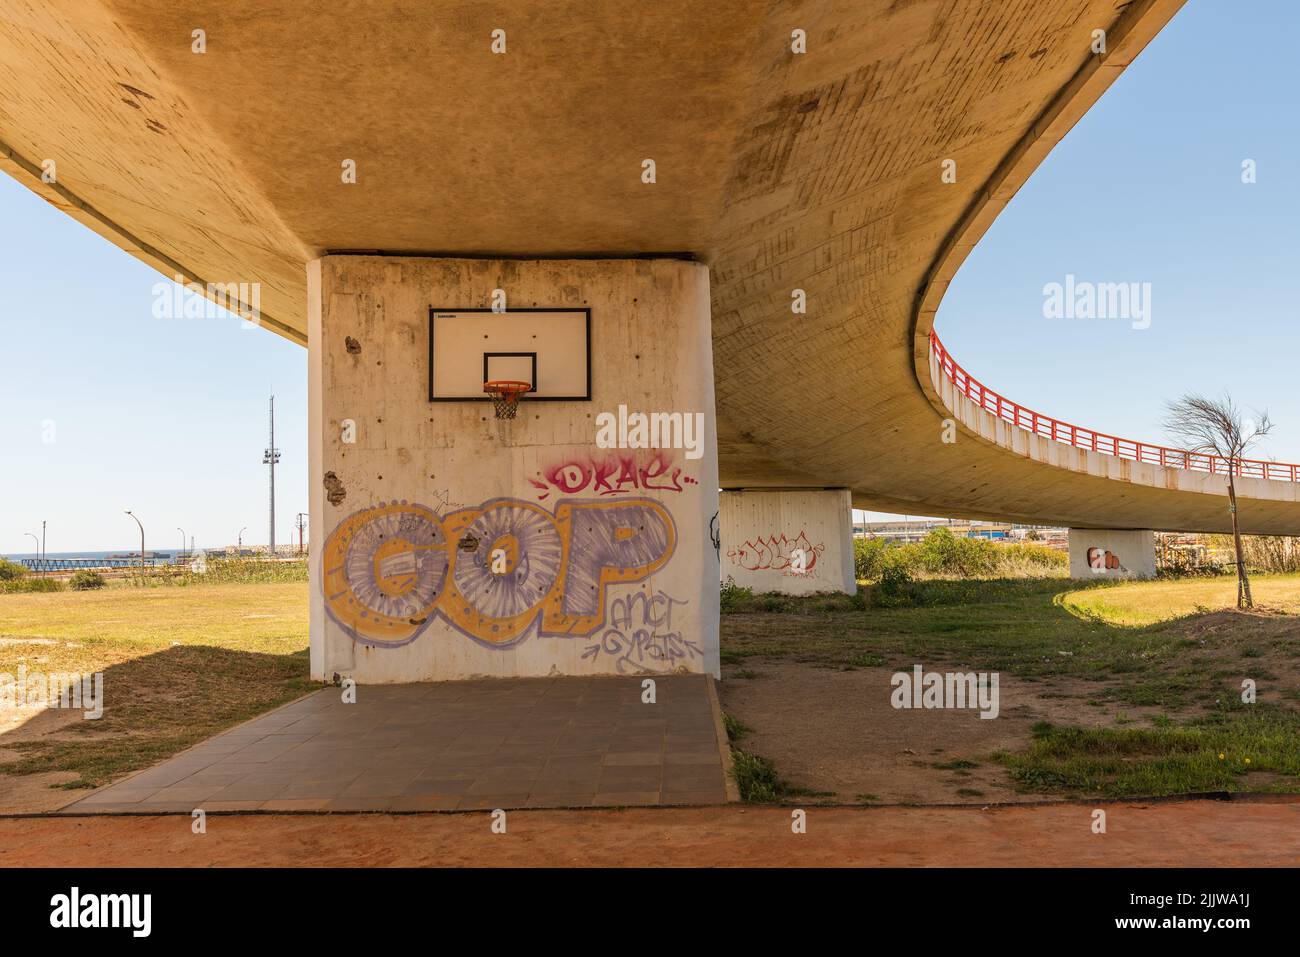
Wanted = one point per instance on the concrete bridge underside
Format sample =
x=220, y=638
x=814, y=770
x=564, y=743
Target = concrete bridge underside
x=818, y=171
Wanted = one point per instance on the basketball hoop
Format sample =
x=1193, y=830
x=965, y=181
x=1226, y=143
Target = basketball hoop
x=505, y=395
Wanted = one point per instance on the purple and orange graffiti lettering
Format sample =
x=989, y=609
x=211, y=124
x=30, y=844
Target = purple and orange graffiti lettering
x=496, y=573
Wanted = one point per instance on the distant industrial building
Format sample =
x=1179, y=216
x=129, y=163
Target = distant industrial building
x=915, y=530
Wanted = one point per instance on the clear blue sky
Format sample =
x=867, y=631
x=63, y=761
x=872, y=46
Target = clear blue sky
x=168, y=417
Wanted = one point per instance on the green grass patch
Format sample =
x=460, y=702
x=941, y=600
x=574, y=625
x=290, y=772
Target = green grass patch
x=758, y=782
x=735, y=728
x=1243, y=748
x=222, y=571
x=997, y=625
x=755, y=777
x=1030, y=628
x=30, y=585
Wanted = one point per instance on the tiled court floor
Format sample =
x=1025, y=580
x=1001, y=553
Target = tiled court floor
x=508, y=743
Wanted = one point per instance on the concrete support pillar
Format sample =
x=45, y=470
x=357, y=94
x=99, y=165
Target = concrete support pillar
x=575, y=539
x=792, y=542
x=1112, y=553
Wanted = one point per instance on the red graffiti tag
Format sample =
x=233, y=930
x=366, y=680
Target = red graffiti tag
x=774, y=552
x=616, y=473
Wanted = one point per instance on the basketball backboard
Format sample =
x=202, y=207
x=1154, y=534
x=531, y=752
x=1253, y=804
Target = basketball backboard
x=548, y=348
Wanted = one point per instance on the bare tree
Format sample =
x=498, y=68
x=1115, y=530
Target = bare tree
x=1216, y=427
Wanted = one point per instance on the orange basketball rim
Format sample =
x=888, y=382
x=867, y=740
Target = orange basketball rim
x=505, y=395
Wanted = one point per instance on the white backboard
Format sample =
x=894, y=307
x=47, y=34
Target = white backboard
x=550, y=348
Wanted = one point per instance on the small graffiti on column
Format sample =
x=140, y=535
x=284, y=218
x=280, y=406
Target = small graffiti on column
x=778, y=553
x=1101, y=561
x=640, y=635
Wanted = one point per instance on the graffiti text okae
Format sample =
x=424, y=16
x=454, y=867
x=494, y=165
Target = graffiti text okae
x=615, y=473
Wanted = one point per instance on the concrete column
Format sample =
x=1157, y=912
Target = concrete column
x=449, y=544
x=792, y=542
x=1112, y=553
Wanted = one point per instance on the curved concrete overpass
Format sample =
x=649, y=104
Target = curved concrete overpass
x=818, y=171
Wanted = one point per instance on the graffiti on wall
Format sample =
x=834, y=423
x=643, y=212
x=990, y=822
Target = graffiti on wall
x=496, y=572
x=1100, y=560
x=640, y=634
x=776, y=553
x=612, y=473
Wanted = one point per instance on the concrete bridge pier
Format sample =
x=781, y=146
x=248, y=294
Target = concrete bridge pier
x=795, y=542
x=1112, y=553
x=572, y=539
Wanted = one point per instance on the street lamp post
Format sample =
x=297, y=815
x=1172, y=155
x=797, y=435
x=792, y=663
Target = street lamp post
x=239, y=542
x=141, y=524
x=271, y=457
x=32, y=536
x=181, y=556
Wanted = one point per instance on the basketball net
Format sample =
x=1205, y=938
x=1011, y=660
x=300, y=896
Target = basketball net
x=505, y=394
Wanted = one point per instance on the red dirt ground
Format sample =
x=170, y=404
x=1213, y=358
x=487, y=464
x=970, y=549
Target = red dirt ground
x=1190, y=833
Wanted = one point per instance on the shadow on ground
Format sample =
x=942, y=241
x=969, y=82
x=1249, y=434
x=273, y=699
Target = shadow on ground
x=154, y=706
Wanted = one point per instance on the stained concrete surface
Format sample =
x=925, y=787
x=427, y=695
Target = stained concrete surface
x=534, y=742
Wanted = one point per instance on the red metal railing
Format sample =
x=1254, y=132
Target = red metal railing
x=1094, y=441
